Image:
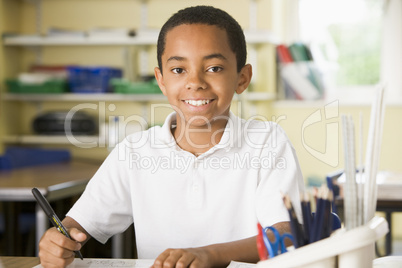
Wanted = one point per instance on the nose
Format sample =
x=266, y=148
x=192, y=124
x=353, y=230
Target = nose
x=196, y=81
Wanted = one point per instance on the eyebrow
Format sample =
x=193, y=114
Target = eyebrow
x=176, y=58
x=215, y=56
x=208, y=57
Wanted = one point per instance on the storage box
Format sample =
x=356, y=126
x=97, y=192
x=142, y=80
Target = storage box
x=344, y=249
x=127, y=87
x=20, y=157
x=83, y=79
x=50, y=86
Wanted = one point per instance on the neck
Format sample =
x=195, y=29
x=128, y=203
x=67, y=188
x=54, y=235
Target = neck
x=198, y=139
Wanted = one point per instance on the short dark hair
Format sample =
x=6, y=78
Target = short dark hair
x=210, y=16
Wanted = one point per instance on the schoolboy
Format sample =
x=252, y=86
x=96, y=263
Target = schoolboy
x=214, y=175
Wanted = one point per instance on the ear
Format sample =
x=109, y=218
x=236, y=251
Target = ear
x=244, y=78
x=159, y=79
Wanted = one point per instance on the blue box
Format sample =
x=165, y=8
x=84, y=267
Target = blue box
x=20, y=157
x=83, y=79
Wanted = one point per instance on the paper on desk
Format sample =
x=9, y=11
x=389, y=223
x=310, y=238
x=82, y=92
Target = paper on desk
x=235, y=264
x=106, y=263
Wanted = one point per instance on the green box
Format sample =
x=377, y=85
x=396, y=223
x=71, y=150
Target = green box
x=126, y=87
x=51, y=86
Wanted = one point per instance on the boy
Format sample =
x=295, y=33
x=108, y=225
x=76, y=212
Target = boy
x=196, y=187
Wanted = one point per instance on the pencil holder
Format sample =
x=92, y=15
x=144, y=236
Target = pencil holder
x=343, y=249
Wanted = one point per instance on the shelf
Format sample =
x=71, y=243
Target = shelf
x=84, y=97
x=87, y=140
x=147, y=38
x=79, y=41
x=75, y=97
x=48, y=139
x=296, y=104
x=259, y=96
x=300, y=104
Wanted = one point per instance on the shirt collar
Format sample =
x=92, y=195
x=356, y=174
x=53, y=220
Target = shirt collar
x=166, y=136
x=231, y=134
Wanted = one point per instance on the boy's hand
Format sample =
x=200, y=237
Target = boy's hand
x=216, y=255
x=181, y=258
x=57, y=250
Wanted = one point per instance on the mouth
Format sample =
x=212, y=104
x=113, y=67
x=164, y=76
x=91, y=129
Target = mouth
x=198, y=102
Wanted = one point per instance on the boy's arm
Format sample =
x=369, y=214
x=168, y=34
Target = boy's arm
x=217, y=255
x=56, y=250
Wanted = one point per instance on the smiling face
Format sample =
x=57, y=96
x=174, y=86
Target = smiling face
x=199, y=73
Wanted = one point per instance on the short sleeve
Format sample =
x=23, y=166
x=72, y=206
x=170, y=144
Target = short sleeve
x=279, y=174
x=105, y=209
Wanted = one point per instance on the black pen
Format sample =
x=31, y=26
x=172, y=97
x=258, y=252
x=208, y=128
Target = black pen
x=52, y=215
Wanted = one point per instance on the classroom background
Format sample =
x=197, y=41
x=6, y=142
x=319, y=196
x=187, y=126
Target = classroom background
x=74, y=38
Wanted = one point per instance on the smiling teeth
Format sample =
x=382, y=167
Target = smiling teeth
x=197, y=102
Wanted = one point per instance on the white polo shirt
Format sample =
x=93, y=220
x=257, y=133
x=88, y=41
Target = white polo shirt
x=178, y=200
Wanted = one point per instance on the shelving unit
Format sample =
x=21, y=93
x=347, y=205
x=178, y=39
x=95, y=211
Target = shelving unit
x=250, y=96
x=47, y=139
x=84, y=97
x=28, y=41
x=143, y=99
x=144, y=39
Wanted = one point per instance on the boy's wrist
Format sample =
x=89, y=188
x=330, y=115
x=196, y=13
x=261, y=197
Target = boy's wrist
x=244, y=250
x=217, y=256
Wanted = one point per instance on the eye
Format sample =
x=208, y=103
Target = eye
x=215, y=69
x=177, y=70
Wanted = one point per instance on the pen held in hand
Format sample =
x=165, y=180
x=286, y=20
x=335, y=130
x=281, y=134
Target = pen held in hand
x=44, y=204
